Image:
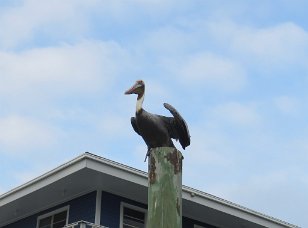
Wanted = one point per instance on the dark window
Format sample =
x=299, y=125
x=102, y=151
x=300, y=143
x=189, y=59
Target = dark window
x=45, y=222
x=133, y=218
x=56, y=220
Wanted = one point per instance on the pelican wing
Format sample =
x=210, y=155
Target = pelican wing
x=134, y=124
x=177, y=126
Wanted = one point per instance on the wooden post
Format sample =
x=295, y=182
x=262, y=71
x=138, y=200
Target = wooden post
x=165, y=188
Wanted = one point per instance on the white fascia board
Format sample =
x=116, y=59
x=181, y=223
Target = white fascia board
x=118, y=170
x=44, y=180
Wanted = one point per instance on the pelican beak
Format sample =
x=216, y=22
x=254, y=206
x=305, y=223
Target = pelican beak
x=132, y=89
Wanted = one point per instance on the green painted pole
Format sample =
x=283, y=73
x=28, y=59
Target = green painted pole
x=165, y=188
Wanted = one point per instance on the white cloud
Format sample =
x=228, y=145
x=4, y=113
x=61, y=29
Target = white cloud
x=66, y=69
x=208, y=70
x=19, y=134
x=285, y=43
x=20, y=23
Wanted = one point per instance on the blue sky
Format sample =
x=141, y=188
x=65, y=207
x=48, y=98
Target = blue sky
x=236, y=70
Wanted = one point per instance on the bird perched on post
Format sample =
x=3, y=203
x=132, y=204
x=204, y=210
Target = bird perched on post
x=157, y=130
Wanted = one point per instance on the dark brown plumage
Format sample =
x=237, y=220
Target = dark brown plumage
x=157, y=130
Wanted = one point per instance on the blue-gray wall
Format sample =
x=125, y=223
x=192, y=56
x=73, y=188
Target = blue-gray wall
x=81, y=208
x=111, y=204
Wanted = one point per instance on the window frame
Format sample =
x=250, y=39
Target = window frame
x=52, y=213
x=133, y=207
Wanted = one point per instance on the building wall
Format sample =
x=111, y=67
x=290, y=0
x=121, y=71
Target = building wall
x=81, y=208
x=110, y=209
x=26, y=222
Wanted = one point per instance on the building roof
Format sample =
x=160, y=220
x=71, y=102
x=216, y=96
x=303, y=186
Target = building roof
x=89, y=172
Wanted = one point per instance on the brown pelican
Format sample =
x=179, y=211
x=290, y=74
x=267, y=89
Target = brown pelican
x=157, y=130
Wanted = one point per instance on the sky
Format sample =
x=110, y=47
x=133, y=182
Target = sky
x=237, y=71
